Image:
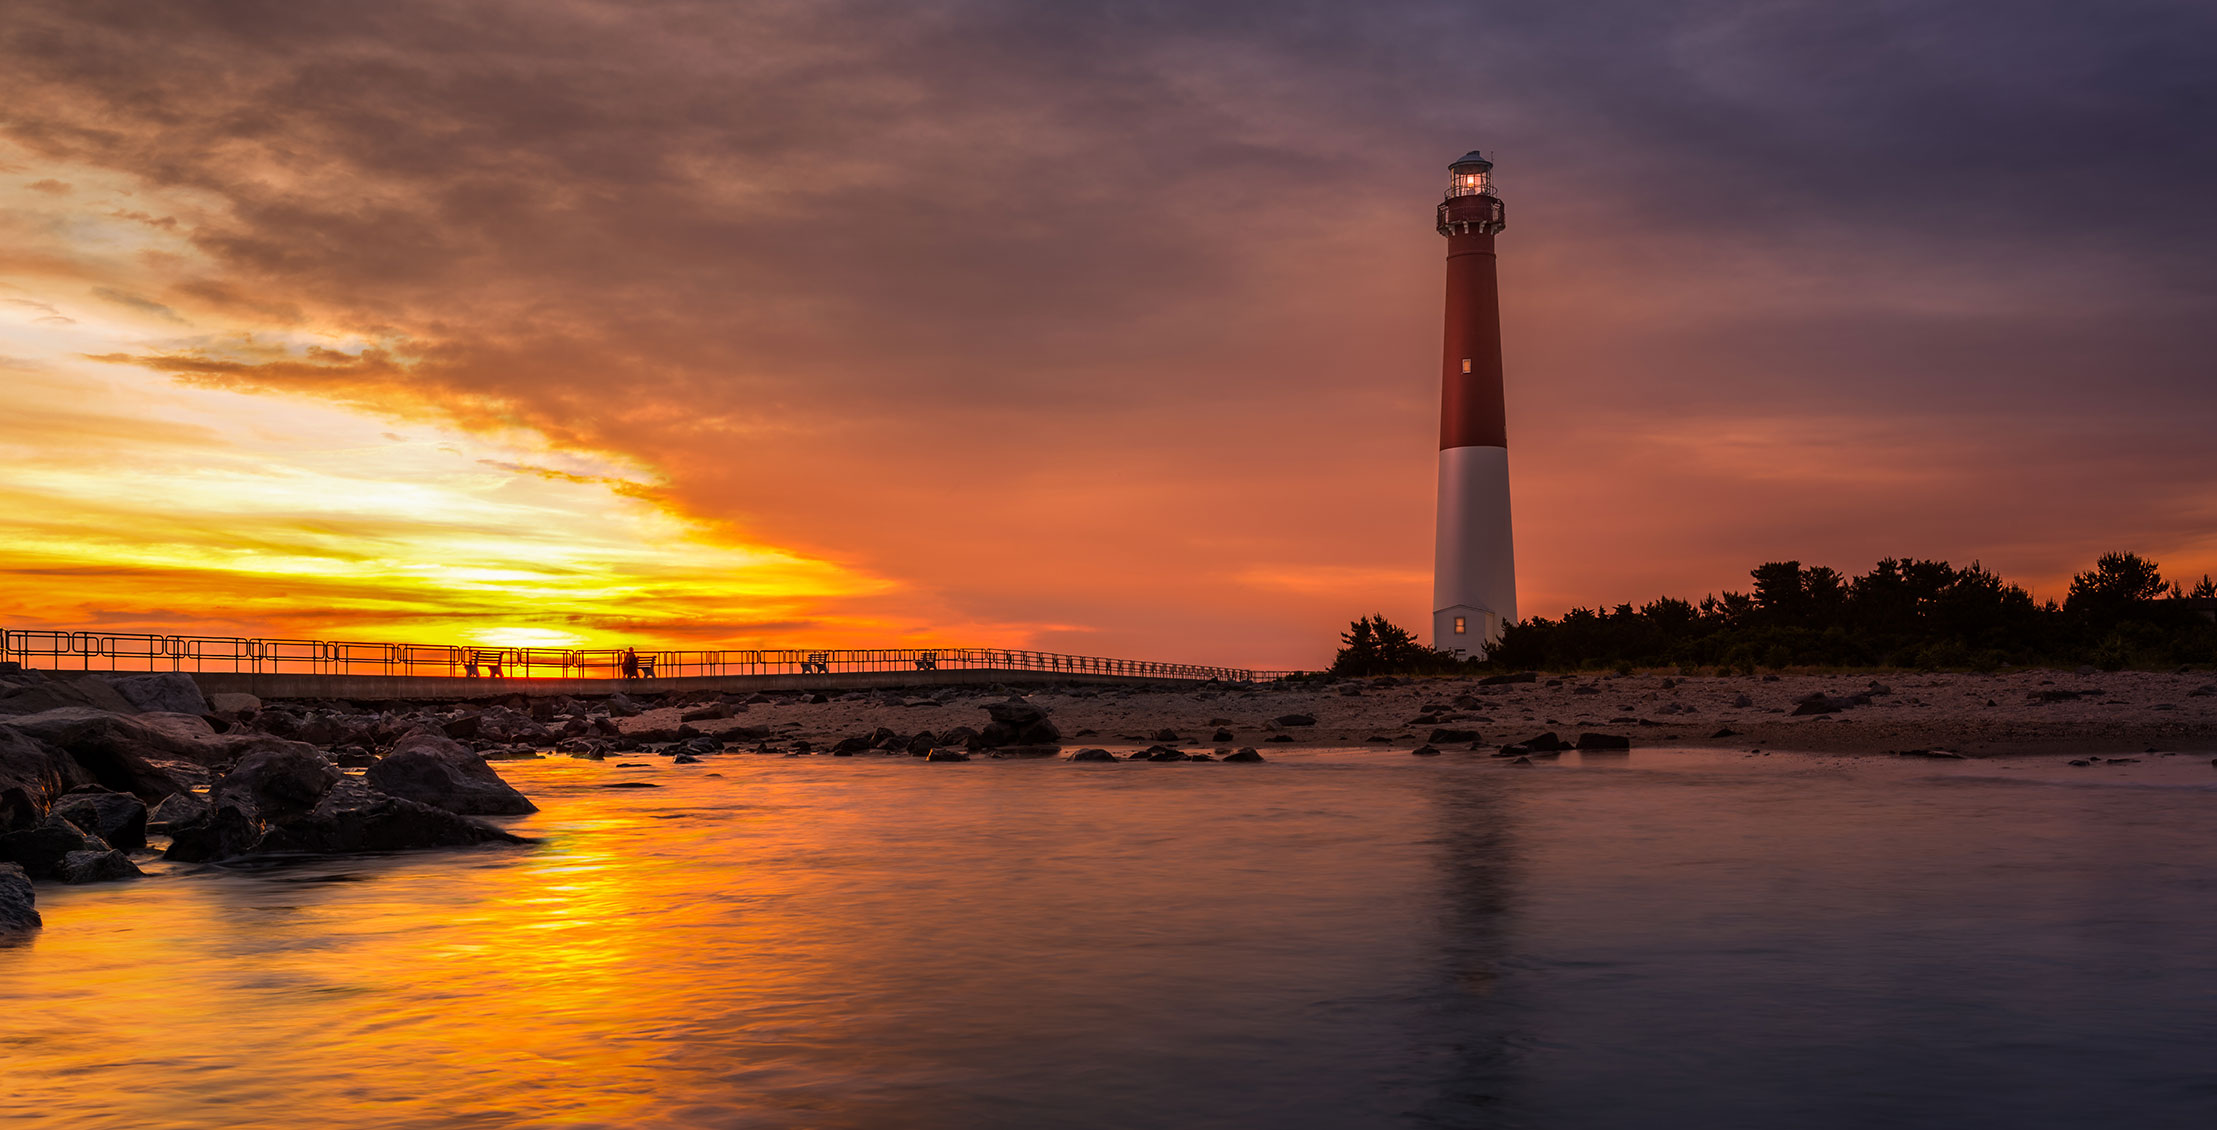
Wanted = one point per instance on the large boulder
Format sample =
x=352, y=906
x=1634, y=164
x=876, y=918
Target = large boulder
x=98, y=867
x=117, y=751
x=352, y=817
x=172, y=691
x=1017, y=723
x=233, y=702
x=42, y=693
x=42, y=850
x=118, y=818
x=32, y=774
x=437, y=770
x=278, y=783
x=18, y=903
x=230, y=827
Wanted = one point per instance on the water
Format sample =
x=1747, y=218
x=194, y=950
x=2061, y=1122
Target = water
x=1337, y=939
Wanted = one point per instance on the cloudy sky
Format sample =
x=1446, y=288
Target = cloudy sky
x=1110, y=329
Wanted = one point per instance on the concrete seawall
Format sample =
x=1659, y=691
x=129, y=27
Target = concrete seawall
x=412, y=687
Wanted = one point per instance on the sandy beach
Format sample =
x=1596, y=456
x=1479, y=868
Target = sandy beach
x=1976, y=715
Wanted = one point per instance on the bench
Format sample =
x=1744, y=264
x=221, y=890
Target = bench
x=818, y=662
x=486, y=659
x=929, y=661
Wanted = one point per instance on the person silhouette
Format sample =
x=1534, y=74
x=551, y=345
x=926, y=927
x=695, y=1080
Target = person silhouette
x=631, y=664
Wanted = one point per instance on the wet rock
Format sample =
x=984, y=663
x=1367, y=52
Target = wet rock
x=230, y=828
x=172, y=691
x=947, y=755
x=1279, y=738
x=118, y=818
x=631, y=785
x=1936, y=754
x=98, y=867
x=352, y=818
x=1424, y=751
x=1163, y=755
x=18, y=903
x=41, y=850
x=438, y=771
x=1544, y=743
x=1522, y=761
x=1244, y=754
x=2082, y=762
x=1453, y=737
x=1163, y=735
x=175, y=811
x=1603, y=741
x=1223, y=735
x=1726, y=732
x=620, y=705
x=1093, y=755
x=705, y=713
x=848, y=747
x=32, y=774
x=1200, y=757
x=680, y=759
x=1295, y=720
x=1506, y=680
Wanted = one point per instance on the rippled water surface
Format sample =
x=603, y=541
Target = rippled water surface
x=1336, y=939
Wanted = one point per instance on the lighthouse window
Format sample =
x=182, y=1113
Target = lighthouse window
x=1466, y=364
x=1458, y=619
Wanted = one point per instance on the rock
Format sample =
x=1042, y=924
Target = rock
x=1506, y=680
x=1424, y=751
x=848, y=747
x=1093, y=755
x=232, y=702
x=947, y=755
x=18, y=903
x=1453, y=737
x=1164, y=755
x=1726, y=732
x=61, y=693
x=176, y=811
x=1244, y=754
x=1163, y=735
x=680, y=759
x=1742, y=702
x=1295, y=720
x=1199, y=757
x=705, y=713
x=352, y=818
x=1522, y=761
x=960, y=736
x=620, y=705
x=98, y=867
x=1938, y=754
x=1223, y=735
x=41, y=850
x=172, y=691
x=277, y=784
x=1603, y=742
x=631, y=785
x=2083, y=762
x=113, y=749
x=1017, y=723
x=118, y=818
x=230, y=828
x=435, y=770
x=1279, y=738
x=32, y=775
x=1544, y=743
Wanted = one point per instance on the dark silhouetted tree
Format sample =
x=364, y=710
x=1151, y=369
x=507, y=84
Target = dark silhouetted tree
x=1375, y=645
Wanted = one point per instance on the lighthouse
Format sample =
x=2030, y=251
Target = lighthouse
x=1474, y=563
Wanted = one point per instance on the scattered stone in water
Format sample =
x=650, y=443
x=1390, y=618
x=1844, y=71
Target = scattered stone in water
x=1279, y=738
x=1424, y=751
x=1093, y=755
x=98, y=867
x=1244, y=753
x=631, y=785
x=1726, y=732
x=1601, y=742
x=18, y=903
x=948, y=755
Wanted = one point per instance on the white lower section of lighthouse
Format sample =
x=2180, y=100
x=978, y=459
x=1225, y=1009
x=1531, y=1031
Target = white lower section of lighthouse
x=1474, y=569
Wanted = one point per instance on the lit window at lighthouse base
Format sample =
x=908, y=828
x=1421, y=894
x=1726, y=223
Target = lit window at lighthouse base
x=1459, y=628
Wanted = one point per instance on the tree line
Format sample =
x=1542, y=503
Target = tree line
x=1903, y=613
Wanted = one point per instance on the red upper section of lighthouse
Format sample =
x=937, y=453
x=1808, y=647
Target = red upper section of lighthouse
x=1473, y=412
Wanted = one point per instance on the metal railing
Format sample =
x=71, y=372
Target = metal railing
x=116, y=651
